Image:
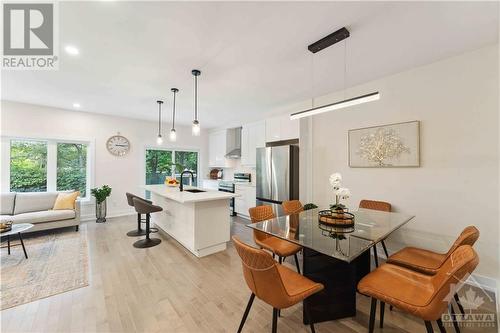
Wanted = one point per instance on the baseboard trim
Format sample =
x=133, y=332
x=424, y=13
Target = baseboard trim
x=90, y=217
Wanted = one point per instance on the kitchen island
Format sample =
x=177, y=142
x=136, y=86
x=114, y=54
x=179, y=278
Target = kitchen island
x=198, y=221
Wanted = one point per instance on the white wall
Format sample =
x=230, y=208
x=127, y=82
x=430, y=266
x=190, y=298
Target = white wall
x=123, y=174
x=457, y=185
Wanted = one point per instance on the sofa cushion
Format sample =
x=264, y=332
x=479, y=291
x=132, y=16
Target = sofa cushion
x=7, y=203
x=34, y=202
x=66, y=200
x=40, y=217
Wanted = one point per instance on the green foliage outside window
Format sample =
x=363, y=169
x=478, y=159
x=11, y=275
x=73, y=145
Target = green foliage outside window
x=28, y=166
x=72, y=167
x=160, y=165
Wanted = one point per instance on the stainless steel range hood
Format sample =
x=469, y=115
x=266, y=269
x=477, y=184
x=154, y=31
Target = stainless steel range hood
x=233, y=143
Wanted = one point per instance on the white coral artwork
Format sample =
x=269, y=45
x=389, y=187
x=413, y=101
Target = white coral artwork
x=386, y=146
x=382, y=145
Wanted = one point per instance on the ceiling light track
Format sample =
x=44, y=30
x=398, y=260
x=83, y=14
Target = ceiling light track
x=337, y=105
x=322, y=44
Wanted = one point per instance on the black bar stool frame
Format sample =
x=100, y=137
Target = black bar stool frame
x=146, y=207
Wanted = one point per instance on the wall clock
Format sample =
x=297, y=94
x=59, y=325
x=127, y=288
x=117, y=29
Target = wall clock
x=118, y=145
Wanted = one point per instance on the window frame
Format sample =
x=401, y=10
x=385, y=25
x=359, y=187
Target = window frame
x=172, y=149
x=51, y=161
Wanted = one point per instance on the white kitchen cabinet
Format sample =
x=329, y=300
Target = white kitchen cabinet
x=245, y=200
x=217, y=149
x=252, y=137
x=281, y=128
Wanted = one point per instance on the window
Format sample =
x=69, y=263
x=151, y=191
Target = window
x=158, y=166
x=72, y=167
x=186, y=160
x=46, y=165
x=28, y=166
x=161, y=164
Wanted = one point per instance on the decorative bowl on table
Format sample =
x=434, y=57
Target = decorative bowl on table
x=172, y=182
x=5, y=226
x=336, y=218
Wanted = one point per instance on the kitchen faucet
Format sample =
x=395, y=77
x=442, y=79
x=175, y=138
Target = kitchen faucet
x=181, y=187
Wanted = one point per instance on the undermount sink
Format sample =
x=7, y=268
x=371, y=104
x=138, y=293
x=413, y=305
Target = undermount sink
x=194, y=190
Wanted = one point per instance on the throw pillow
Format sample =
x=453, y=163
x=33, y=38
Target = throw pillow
x=66, y=200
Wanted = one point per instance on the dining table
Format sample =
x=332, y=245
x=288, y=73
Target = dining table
x=336, y=257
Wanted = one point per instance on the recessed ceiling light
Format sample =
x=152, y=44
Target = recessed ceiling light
x=70, y=49
x=76, y=105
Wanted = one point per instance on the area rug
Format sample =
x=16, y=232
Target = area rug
x=57, y=262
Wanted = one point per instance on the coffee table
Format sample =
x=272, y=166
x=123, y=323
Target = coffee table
x=17, y=229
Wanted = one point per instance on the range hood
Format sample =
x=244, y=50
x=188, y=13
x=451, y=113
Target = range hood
x=233, y=143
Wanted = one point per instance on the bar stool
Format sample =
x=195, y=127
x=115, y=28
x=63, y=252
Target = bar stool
x=139, y=231
x=144, y=207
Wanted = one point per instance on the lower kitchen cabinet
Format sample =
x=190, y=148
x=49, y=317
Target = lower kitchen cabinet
x=245, y=200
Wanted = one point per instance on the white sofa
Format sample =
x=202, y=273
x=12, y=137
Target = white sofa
x=36, y=208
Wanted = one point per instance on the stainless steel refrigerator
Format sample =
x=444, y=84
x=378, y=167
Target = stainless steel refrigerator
x=277, y=176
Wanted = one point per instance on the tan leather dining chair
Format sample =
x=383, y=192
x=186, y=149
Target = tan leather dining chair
x=381, y=206
x=279, y=247
x=429, y=262
x=272, y=283
x=422, y=295
x=292, y=207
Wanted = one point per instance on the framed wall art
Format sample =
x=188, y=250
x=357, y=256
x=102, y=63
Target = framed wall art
x=386, y=146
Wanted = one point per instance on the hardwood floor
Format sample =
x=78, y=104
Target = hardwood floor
x=166, y=289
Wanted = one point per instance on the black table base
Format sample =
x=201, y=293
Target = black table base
x=338, y=298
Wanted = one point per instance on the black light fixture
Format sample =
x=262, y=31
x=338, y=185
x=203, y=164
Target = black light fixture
x=173, y=134
x=159, y=139
x=321, y=44
x=195, y=129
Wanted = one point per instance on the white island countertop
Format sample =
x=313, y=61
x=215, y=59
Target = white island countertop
x=173, y=193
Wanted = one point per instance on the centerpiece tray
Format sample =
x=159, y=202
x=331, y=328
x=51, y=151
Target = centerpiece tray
x=337, y=219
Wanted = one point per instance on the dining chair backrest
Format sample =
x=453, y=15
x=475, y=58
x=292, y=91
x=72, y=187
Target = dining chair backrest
x=458, y=266
x=292, y=207
x=261, y=274
x=375, y=205
x=259, y=214
x=468, y=236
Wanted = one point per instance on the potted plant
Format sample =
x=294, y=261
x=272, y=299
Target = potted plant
x=309, y=206
x=100, y=195
x=341, y=193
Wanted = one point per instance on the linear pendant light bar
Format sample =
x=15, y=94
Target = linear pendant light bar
x=337, y=105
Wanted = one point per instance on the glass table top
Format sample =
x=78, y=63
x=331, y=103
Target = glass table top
x=370, y=227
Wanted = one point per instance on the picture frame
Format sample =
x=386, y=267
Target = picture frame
x=395, y=145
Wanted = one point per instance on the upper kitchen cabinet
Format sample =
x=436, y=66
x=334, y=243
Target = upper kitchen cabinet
x=217, y=149
x=253, y=136
x=281, y=128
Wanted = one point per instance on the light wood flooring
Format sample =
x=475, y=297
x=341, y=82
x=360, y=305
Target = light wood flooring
x=166, y=289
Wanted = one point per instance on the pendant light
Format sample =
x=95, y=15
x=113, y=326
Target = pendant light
x=195, y=129
x=159, y=139
x=173, y=134
x=321, y=44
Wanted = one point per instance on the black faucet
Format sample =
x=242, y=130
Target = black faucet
x=181, y=187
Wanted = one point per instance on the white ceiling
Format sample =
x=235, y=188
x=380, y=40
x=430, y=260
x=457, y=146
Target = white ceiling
x=253, y=55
